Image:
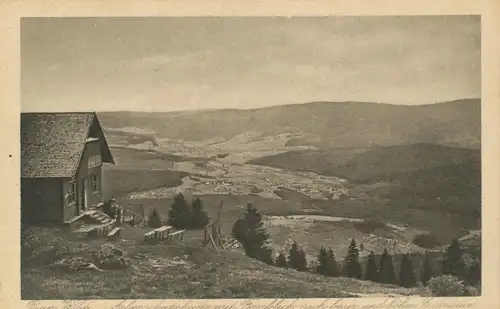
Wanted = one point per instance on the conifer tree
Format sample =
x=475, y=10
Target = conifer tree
x=256, y=236
x=386, y=273
x=250, y=232
x=302, y=260
x=292, y=255
x=427, y=271
x=352, y=267
x=372, y=271
x=297, y=258
x=333, y=269
x=453, y=263
x=323, y=258
x=179, y=215
x=199, y=217
x=406, y=274
x=154, y=220
x=281, y=260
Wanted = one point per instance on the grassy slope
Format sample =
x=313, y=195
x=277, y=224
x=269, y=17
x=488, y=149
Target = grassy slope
x=325, y=124
x=205, y=274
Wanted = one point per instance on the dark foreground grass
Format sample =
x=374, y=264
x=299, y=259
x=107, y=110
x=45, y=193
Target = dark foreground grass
x=201, y=273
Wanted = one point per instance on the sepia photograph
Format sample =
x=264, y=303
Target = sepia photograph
x=218, y=157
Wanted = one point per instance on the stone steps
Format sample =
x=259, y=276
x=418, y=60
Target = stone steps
x=100, y=217
x=102, y=225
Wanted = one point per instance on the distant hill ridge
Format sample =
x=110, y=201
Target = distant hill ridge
x=379, y=162
x=323, y=124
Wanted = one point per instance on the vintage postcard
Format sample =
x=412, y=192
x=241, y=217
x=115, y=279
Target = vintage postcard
x=243, y=157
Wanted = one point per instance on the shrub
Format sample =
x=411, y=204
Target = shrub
x=110, y=257
x=427, y=241
x=447, y=285
x=369, y=225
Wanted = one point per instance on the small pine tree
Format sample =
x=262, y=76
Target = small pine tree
x=333, y=269
x=297, y=258
x=256, y=236
x=302, y=261
x=427, y=271
x=154, y=220
x=352, y=268
x=323, y=258
x=281, y=260
x=453, y=263
x=406, y=274
x=292, y=255
x=386, y=273
x=179, y=215
x=199, y=217
x=372, y=271
x=250, y=232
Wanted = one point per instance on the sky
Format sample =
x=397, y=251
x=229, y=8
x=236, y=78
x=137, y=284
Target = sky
x=189, y=63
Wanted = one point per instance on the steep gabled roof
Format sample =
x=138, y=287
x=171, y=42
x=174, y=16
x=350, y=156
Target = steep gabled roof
x=52, y=143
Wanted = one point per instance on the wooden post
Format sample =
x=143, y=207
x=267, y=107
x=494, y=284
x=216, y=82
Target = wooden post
x=214, y=233
x=118, y=216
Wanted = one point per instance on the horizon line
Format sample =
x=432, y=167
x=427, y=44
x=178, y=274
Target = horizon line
x=256, y=108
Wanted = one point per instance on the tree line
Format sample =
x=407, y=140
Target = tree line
x=250, y=232
x=182, y=215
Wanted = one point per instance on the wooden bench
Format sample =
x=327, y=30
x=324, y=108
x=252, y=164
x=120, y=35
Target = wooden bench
x=162, y=231
x=149, y=235
x=115, y=233
x=159, y=233
x=179, y=235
